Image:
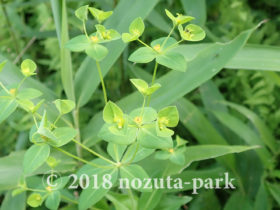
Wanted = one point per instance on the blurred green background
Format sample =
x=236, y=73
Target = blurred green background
x=28, y=30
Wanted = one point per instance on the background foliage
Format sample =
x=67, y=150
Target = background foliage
x=228, y=96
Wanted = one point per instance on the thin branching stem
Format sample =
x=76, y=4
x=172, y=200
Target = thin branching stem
x=153, y=81
x=170, y=33
x=81, y=159
x=85, y=29
x=102, y=82
x=77, y=126
x=93, y=152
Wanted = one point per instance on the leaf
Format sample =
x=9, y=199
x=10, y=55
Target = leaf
x=172, y=60
x=99, y=14
x=197, y=9
x=120, y=201
x=143, y=55
x=11, y=166
x=34, y=157
x=97, y=52
x=262, y=198
x=238, y=201
x=148, y=138
x=90, y=196
x=250, y=57
x=34, y=200
x=194, y=120
x=64, y=106
x=274, y=190
x=116, y=151
x=2, y=65
x=137, y=27
x=28, y=67
x=170, y=115
x=170, y=15
x=11, y=202
x=153, y=89
x=117, y=138
x=29, y=93
x=149, y=200
x=173, y=202
x=179, y=19
x=146, y=115
x=204, y=152
x=78, y=43
x=53, y=200
x=245, y=133
x=178, y=157
x=132, y=173
x=82, y=13
x=141, y=154
x=64, y=135
x=263, y=130
x=106, y=34
x=192, y=33
x=7, y=107
x=65, y=56
x=44, y=130
x=170, y=41
x=112, y=113
x=140, y=84
x=127, y=37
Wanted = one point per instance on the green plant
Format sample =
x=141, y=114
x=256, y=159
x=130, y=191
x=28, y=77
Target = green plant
x=142, y=135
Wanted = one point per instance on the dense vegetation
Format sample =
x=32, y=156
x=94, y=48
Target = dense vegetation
x=139, y=92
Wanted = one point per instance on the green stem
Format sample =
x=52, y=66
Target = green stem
x=35, y=190
x=85, y=30
x=173, y=45
x=35, y=121
x=164, y=42
x=102, y=81
x=143, y=106
x=58, y=117
x=77, y=126
x=80, y=159
x=143, y=43
x=93, y=152
x=5, y=89
x=153, y=81
x=134, y=155
x=21, y=82
x=155, y=73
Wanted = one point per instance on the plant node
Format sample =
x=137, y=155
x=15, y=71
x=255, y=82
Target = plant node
x=94, y=39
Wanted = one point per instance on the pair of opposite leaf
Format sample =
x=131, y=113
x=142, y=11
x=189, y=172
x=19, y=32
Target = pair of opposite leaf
x=46, y=133
x=161, y=49
x=144, y=124
x=23, y=97
x=176, y=154
x=92, y=44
